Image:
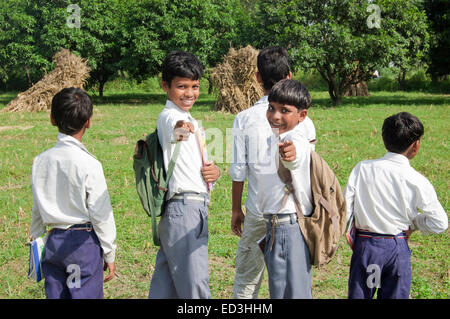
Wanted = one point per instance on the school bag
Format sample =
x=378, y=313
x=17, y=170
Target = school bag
x=152, y=181
x=323, y=228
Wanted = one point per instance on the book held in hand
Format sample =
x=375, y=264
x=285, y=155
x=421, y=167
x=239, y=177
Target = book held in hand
x=36, y=253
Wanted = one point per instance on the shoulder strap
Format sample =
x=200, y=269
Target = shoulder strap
x=173, y=160
x=286, y=178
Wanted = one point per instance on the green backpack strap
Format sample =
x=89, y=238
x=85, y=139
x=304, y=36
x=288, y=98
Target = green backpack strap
x=168, y=175
x=172, y=162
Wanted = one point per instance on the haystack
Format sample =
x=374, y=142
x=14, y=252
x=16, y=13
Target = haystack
x=70, y=71
x=235, y=79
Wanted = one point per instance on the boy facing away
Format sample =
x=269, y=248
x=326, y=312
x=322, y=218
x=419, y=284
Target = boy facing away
x=390, y=200
x=286, y=253
x=252, y=157
x=181, y=269
x=70, y=197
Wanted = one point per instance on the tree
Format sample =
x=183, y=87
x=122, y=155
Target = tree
x=18, y=52
x=93, y=29
x=345, y=40
x=204, y=27
x=438, y=12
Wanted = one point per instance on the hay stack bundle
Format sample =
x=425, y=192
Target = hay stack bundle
x=236, y=82
x=70, y=71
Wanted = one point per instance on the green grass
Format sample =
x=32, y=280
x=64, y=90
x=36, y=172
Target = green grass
x=346, y=135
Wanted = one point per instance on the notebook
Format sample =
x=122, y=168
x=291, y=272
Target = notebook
x=36, y=253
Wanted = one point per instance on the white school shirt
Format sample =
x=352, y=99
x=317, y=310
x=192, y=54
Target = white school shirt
x=186, y=176
x=69, y=188
x=388, y=196
x=253, y=156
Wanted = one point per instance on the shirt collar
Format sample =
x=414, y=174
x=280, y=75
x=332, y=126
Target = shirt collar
x=71, y=141
x=396, y=158
x=172, y=106
x=263, y=100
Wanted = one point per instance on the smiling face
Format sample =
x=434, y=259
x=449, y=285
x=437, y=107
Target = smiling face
x=284, y=117
x=182, y=91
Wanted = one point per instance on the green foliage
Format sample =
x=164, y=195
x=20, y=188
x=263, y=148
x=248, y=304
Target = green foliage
x=336, y=38
x=438, y=12
x=19, y=56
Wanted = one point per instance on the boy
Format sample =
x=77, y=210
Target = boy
x=252, y=159
x=181, y=269
x=70, y=196
x=385, y=195
x=286, y=253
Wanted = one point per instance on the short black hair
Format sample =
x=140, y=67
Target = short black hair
x=181, y=64
x=400, y=131
x=290, y=92
x=273, y=65
x=71, y=108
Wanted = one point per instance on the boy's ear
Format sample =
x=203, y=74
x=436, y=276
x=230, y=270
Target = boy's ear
x=52, y=120
x=259, y=77
x=302, y=115
x=88, y=123
x=289, y=76
x=165, y=86
x=412, y=150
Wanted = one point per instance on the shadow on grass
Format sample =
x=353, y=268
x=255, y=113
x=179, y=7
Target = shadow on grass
x=204, y=103
x=362, y=101
x=129, y=98
x=6, y=97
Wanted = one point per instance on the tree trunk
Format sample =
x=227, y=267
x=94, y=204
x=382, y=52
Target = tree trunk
x=335, y=92
x=359, y=89
x=210, y=88
x=402, y=80
x=27, y=71
x=101, y=86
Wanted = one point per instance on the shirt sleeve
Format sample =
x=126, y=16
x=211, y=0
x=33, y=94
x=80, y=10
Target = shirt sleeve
x=302, y=149
x=101, y=213
x=37, y=227
x=432, y=219
x=349, y=191
x=238, y=168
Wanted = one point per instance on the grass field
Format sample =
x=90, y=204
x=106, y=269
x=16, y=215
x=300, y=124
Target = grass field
x=346, y=135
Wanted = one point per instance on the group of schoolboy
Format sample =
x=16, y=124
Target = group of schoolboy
x=387, y=198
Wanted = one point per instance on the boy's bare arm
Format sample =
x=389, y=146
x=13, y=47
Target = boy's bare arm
x=237, y=216
x=112, y=271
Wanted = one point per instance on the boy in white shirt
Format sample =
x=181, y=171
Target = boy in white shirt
x=70, y=196
x=181, y=269
x=286, y=252
x=389, y=200
x=252, y=158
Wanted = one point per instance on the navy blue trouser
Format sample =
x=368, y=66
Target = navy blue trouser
x=73, y=265
x=380, y=262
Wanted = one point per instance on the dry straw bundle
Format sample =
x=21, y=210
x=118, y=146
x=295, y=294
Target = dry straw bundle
x=235, y=79
x=70, y=71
